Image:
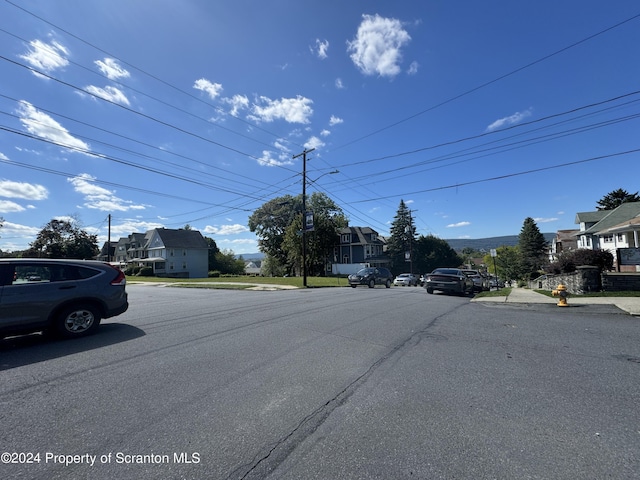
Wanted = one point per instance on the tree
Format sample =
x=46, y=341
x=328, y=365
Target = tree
x=507, y=263
x=213, y=251
x=64, y=239
x=568, y=261
x=533, y=248
x=270, y=223
x=431, y=252
x=614, y=199
x=227, y=263
x=328, y=219
x=402, y=238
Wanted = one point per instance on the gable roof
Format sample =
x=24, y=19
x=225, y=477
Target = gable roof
x=624, y=213
x=171, y=238
x=591, y=217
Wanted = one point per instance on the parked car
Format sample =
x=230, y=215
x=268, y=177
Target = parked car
x=406, y=279
x=495, y=282
x=480, y=280
x=69, y=297
x=371, y=276
x=450, y=280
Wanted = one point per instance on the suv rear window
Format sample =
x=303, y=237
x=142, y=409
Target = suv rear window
x=25, y=273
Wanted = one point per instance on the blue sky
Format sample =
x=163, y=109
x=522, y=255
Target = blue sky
x=164, y=113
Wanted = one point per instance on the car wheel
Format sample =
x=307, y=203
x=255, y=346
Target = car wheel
x=77, y=321
x=353, y=286
x=429, y=290
x=372, y=283
x=388, y=284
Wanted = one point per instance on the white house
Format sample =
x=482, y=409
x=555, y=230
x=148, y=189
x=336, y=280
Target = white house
x=616, y=231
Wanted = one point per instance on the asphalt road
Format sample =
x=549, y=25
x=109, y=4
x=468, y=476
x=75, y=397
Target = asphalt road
x=328, y=384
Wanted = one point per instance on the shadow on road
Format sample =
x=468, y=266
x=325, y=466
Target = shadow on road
x=39, y=347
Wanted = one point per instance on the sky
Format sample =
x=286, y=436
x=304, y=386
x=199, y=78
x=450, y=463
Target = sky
x=146, y=114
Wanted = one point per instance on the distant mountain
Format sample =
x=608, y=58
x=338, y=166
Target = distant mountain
x=251, y=256
x=487, y=244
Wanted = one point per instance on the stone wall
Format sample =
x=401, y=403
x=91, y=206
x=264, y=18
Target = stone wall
x=588, y=279
x=583, y=280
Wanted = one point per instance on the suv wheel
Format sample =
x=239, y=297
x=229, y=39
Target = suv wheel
x=372, y=283
x=388, y=284
x=77, y=320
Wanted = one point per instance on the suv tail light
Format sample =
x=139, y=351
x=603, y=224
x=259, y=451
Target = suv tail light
x=120, y=279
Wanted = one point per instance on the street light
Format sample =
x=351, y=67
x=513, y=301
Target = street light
x=304, y=209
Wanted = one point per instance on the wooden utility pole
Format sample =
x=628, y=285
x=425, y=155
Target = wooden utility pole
x=304, y=213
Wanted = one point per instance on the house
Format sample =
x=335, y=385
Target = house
x=564, y=241
x=253, y=268
x=357, y=246
x=107, y=251
x=170, y=252
x=616, y=231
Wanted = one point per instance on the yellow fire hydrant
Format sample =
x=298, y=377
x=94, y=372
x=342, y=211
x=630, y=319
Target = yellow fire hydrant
x=561, y=292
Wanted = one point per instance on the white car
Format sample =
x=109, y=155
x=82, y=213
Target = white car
x=406, y=279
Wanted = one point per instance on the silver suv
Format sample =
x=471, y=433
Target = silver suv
x=69, y=297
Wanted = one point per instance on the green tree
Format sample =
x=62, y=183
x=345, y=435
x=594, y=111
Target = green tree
x=533, y=248
x=213, y=251
x=270, y=223
x=227, y=263
x=431, y=252
x=507, y=263
x=614, y=199
x=328, y=219
x=402, y=239
x=64, y=239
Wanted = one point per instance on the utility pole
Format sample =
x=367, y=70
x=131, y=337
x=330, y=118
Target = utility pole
x=304, y=213
x=109, y=241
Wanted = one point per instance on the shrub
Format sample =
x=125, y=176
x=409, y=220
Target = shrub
x=213, y=274
x=568, y=261
x=146, y=272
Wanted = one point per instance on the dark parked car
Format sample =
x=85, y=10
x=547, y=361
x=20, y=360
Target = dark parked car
x=451, y=280
x=371, y=277
x=69, y=297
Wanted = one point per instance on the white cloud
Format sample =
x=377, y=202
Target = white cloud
x=376, y=49
x=212, y=89
x=130, y=225
x=99, y=198
x=321, y=48
x=292, y=110
x=313, y=142
x=42, y=125
x=237, y=102
x=109, y=93
x=339, y=84
x=413, y=68
x=26, y=191
x=545, y=220
x=268, y=159
x=7, y=206
x=459, y=224
x=335, y=120
x=510, y=120
x=226, y=229
x=111, y=69
x=46, y=56
x=325, y=133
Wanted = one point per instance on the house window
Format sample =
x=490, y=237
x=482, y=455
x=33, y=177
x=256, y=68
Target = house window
x=171, y=252
x=345, y=238
x=374, y=237
x=621, y=237
x=184, y=265
x=345, y=259
x=607, y=238
x=367, y=251
x=184, y=253
x=170, y=265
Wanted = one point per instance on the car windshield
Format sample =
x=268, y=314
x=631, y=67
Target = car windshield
x=446, y=271
x=365, y=271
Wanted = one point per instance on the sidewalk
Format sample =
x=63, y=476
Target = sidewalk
x=630, y=305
